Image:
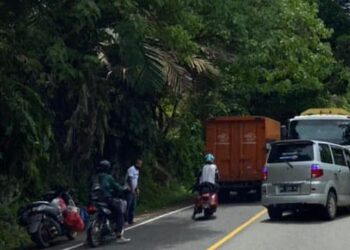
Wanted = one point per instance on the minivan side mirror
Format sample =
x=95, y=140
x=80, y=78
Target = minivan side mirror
x=284, y=132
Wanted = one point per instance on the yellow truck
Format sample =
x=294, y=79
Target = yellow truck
x=322, y=124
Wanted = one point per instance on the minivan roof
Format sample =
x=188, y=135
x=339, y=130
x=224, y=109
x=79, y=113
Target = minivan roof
x=282, y=142
x=293, y=141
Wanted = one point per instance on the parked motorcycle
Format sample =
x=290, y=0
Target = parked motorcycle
x=206, y=201
x=44, y=219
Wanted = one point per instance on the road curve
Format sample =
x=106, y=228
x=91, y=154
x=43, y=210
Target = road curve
x=238, y=226
x=179, y=231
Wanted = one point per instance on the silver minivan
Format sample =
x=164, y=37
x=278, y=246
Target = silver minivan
x=301, y=173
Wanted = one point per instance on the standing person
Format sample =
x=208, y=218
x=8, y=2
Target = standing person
x=111, y=191
x=132, y=179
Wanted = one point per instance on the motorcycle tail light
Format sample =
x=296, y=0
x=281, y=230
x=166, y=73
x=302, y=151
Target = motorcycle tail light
x=91, y=209
x=213, y=199
x=205, y=197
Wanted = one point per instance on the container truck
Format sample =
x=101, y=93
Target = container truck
x=239, y=145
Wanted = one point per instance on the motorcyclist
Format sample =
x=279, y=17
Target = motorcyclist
x=206, y=179
x=209, y=174
x=111, y=190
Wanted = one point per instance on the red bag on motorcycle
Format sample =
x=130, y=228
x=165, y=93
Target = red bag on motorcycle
x=73, y=220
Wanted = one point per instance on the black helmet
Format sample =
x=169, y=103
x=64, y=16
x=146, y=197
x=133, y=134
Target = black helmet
x=104, y=166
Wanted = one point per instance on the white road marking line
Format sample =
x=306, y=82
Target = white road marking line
x=140, y=224
x=158, y=217
x=73, y=247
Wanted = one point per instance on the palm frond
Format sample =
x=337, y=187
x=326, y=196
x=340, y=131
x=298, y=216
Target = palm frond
x=167, y=69
x=201, y=66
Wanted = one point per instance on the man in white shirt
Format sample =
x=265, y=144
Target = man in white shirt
x=209, y=174
x=132, y=179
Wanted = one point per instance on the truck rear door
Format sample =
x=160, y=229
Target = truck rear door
x=239, y=148
x=251, y=152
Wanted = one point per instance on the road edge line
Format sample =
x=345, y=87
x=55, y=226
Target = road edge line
x=140, y=224
x=158, y=217
x=237, y=230
x=74, y=246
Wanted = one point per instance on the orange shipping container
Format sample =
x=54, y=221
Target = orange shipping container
x=239, y=146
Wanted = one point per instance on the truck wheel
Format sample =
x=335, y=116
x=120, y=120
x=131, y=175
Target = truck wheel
x=223, y=196
x=275, y=213
x=330, y=210
x=243, y=193
x=258, y=194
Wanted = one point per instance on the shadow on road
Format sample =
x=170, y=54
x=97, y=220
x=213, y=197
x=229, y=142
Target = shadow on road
x=311, y=216
x=203, y=218
x=59, y=242
x=166, y=234
x=246, y=200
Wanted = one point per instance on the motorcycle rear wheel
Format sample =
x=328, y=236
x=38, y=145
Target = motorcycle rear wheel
x=208, y=213
x=94, y=233
x=71, y=235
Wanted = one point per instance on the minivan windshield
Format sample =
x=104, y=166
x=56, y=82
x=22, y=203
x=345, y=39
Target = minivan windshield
x=291, y=152
x=335, y=131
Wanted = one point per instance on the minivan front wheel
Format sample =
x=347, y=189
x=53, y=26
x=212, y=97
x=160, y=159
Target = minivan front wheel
x=330, y=210
x=275, y=213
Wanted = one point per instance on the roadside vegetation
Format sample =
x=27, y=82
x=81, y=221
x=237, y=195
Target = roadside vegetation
x=89, y=79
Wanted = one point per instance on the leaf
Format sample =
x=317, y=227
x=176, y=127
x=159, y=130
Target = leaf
x=165, y=67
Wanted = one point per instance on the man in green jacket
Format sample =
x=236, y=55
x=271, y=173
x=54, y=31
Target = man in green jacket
x=111, y=190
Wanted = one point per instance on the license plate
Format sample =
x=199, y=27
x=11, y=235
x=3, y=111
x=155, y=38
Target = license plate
x=288, y=188
x=206, y=205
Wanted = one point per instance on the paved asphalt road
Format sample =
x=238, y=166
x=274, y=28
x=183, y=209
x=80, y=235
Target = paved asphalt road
x=179, y=231
x=304, y=231
x=237, y=227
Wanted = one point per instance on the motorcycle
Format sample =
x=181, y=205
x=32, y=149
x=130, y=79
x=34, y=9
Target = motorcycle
x=44, y=220
x=102, y=220
x=101, y=225
x=206, y=201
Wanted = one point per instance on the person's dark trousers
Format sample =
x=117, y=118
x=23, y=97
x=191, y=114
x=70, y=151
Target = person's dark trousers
x=131, y=201
x=116, y=207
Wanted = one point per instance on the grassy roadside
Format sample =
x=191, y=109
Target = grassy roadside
x=11, y=235
x=14, y=237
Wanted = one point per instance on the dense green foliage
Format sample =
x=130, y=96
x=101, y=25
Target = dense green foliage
x=89, y=79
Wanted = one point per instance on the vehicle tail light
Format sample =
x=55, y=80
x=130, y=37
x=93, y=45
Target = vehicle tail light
x=213, y=199
x=205, y=196
x=91, y=209
x=264, y=173
x=316, y=171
